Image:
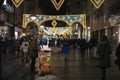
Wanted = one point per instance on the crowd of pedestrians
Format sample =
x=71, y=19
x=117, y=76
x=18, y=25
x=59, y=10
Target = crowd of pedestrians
x=27, y=49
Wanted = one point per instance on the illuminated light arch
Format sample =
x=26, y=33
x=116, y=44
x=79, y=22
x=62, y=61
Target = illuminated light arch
x=54, y=19
x=69, y=19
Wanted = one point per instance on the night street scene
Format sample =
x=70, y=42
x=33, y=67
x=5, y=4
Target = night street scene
x=59, y=39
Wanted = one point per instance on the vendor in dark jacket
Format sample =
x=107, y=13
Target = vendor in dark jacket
x=33, y=53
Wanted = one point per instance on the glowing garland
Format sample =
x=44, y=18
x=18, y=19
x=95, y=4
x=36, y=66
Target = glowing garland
x=56, y=4
x=97, y=3
x=17, y=2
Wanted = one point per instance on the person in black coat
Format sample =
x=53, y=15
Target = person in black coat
x=104, y=51
x=117, y=54
x=83, y=45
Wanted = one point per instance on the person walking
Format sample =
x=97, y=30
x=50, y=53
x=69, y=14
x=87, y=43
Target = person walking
x=66, y=48
x=104, y=51
x=33, y=53
x=83, y=45
x=117, y=54
x=92, y=44
x=24, y=47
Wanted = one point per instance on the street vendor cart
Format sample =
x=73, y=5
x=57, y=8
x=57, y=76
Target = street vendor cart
x=44, y=59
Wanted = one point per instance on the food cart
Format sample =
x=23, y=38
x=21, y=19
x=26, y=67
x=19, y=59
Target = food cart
x=45, y=59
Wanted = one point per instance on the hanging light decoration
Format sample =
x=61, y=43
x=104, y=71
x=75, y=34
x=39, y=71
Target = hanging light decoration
x=54, y=23
x=97, y=3
x=56, y=4
x=17, y=2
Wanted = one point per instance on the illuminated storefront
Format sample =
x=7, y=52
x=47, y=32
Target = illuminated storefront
x=70, y=20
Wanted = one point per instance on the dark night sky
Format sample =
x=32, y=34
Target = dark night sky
x=48, y=8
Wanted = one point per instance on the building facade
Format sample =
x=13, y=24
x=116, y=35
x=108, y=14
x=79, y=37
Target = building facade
x=105, y=20
x=10, y=19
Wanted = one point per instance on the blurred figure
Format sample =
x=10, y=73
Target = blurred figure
x=3, y=46
x=117, y=54
x=12, y=46
x=33, y=53
x=83, y=45
x=65, y=48
x=17, y=49
x=24, y=47
x=104, y=51
x=0, y=58
x=92, y=44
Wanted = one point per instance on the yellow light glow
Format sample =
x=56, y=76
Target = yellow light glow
x=17, y=2
x=23, y=34
x=97, y=3
x=54, y=23
x=56, y=4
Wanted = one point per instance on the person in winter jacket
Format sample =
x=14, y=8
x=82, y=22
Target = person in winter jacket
x=33, y=52
x=104, y=51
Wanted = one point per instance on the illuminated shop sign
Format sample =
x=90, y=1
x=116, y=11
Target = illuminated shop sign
x=8, y=7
